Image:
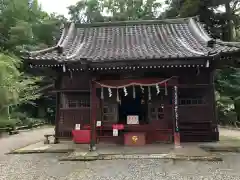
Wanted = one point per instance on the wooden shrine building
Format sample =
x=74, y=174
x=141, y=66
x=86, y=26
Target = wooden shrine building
x=150, y=77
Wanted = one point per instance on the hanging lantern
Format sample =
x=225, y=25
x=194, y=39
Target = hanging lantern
x=125, y=91
x=158, y=89
x=166, y=91
x=134, y=92
x=102, y=93
x=149, y=93
x=110, y=92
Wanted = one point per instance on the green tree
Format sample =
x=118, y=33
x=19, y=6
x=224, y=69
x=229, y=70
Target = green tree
x=113, y=10
x=16, y=88
x=221, y=23
x=23, y=26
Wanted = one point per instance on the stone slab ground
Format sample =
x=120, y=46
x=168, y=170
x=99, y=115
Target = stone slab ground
x=80, y=152
x=229, y=142
x=226, y=144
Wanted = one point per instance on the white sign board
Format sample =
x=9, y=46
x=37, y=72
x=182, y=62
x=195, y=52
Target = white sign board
x=132, y=120
x=77, y=126
x=115, y=132
x=99, y=123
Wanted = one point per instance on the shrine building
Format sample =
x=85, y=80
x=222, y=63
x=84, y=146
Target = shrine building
x=135, y=81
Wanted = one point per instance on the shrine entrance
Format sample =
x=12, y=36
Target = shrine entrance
x=136, y=108
x=133, y=108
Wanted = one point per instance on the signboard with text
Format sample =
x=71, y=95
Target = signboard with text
x=132, y=120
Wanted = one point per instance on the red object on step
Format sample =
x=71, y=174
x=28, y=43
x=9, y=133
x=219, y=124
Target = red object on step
x=81, y=136
x=177, y=141
x=118, y=126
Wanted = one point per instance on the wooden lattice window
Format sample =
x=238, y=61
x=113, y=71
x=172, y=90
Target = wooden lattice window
x=75, y=100
x=156, y=111
x=194, y=101
x=110, y=113
x=193, y=96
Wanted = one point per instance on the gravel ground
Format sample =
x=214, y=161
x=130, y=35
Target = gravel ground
x=47, y=167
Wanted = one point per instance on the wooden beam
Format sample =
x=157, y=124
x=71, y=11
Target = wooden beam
x=93, y=115
x=57, y=114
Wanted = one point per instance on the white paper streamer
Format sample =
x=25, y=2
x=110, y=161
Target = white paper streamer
x=158, y=89
x=142, y=89
x=118, y=100
x=125, y=91
x=110, y=92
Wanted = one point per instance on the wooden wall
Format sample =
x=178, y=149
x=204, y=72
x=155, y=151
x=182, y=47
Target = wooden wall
x=75, y=103
x=196, y=119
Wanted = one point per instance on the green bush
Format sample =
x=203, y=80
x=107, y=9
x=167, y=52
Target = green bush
x=4, y=123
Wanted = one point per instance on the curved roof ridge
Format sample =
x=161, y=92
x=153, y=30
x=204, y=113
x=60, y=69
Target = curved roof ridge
x=132, y=22
x=49, y=49
x=230, y=44
x=198, y=31
x=126, y=40
x=67, y=37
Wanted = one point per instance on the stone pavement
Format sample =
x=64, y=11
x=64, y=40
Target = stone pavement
x=229, y=133
x=229, y=142
x=111, y=151
x=226, y=144
x=23, y=139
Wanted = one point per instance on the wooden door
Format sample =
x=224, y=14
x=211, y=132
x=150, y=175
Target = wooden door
x=110, y=113
x=156, y=114
x=159, y=130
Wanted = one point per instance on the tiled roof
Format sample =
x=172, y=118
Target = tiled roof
x=166, y=39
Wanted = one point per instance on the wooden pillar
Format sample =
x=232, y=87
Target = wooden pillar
x=214, y=104
x=93, y=115
x=176, y=117
x=57, y=113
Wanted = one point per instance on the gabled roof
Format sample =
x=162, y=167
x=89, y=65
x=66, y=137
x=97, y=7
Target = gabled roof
x=134, y=40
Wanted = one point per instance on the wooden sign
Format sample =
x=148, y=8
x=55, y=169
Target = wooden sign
x=132, y=120
x=77, y=126
x=115, y=132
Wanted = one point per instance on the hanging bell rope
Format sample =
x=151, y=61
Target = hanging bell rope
x=110, y=92
x=102, y=93
x=118, y=99
x=166, y=91
x=149, y=93
x=125, y=91
x=134, y=92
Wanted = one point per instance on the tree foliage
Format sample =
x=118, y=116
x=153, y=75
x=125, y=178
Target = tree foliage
x=113, y=10
x=23, y=26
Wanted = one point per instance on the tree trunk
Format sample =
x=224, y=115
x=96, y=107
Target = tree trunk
x=229, y=18
x=237, y=109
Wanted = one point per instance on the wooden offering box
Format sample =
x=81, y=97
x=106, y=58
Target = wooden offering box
x=135, y=139
x=81, y=136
